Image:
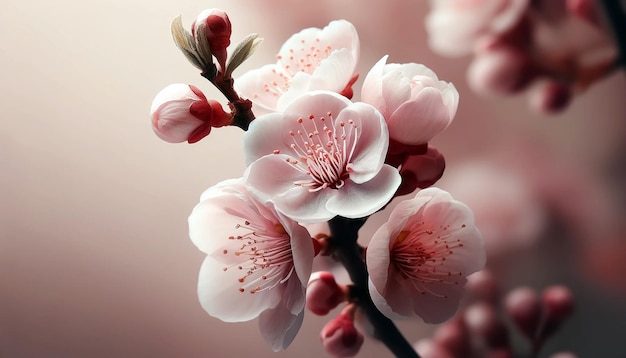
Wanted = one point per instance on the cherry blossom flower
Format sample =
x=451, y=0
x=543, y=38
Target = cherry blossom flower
x=258, y=261
x=418, y=260
x=313, y=59
x=181, y=113
x=324, y=156
x=455, y=27
x=415, y=103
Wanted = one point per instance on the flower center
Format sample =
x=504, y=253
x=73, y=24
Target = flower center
x=276, y=85
x=322, y=152
x=306, y=57
x=264, y=257
x=420, y=253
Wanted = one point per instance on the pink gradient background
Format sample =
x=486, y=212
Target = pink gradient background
x=94, y=255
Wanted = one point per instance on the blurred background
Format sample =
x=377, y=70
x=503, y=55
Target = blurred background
x=94, y=255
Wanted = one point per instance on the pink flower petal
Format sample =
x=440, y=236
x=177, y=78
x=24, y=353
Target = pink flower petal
x=418, y=121
x=279, y=327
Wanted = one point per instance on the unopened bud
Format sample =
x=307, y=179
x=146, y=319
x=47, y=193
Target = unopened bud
x=340, y=338
x=583, y=9
x=323, y=293
x=523, y=306
x=482, y=285
x=558, y=305
x=421, y=171
x=213, y=27
x=454, y=337
x=551, y=97
x=181, y=112
x=483, y=321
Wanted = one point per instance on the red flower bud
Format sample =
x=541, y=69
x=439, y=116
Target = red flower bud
x=213, y=26
x=340, y=338
x=181, y=113
x=323, y=293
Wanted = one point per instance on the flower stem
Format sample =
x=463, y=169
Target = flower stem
x=344, y=235
x=241, y=108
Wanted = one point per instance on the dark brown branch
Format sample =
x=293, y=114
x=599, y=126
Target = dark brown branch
x=344, y=234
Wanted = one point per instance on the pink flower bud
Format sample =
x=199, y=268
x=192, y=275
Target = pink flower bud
x=181, y=112
x=551, y=97
x=323, y=293
x=217, y=31
x=483, y=286
x=454, y=337
x=483, y=321
x=558, y=304
x=524, y=308
x=583, y=9
x=340, y=338
x=421, y=171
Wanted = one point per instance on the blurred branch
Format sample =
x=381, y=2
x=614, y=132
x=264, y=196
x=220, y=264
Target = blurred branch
x=614, y=14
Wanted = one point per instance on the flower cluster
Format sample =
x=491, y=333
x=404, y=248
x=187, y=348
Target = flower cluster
x=314, y=155
x=519, y=43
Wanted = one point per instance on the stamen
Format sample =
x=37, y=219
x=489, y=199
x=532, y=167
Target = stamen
x=421, y=259
x=264, y=256
x=325, y=158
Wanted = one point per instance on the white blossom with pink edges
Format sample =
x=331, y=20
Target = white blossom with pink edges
x=455, y=26
x=313, y=59
x=258, y=261
x=419, y=259
x=324, y=156
x=415, y=103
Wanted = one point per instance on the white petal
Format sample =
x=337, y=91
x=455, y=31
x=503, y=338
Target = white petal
x=441, y=307
x=271, y=176
x=263, y=87
x=360, y=200
x=418, y=121
x=372, y=140
x=304, y=206
x=264, y=137
x=210, y=224
x=279, y=327
x=334, y=73
x=396, y=90
x=218, y=292
x=371, y=91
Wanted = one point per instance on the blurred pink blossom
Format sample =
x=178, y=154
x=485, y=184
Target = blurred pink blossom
x=324, y=156
x=418, y=261
x=415, y=103
x=258, y=261
x=512, y=216
x=455, y=27
x=313, y=59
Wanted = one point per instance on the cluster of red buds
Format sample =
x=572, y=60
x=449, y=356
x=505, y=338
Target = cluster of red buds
x=485, y=327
